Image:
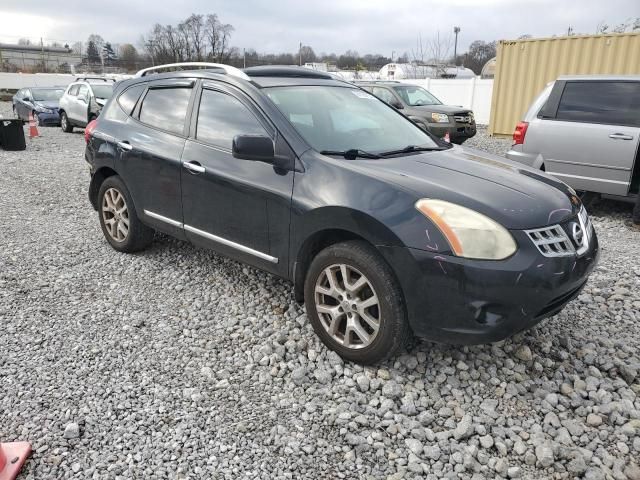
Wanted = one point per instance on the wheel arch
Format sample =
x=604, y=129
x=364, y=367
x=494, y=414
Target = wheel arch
x=96, y=181
x=346, y=225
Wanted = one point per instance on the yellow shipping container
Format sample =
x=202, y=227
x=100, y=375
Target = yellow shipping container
x=524, y=67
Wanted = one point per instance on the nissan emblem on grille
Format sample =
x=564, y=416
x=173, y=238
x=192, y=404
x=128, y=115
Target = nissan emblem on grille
x=577, y=234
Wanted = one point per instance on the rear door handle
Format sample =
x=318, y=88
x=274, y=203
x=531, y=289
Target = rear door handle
x=125, y=145
x=621, y=136
x=194, y=167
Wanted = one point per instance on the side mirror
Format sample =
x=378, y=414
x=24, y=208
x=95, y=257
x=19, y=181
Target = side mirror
x=26, y=100
x=253, y=147
x=396, y=104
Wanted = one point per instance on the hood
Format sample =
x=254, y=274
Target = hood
x=517, y=197
x=47, y=103
x=450, y=109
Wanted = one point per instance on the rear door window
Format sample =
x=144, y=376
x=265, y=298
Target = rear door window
x=73, y=91
x=221, y=117
x=166, y=108
x=605, y=102
x=83, y=91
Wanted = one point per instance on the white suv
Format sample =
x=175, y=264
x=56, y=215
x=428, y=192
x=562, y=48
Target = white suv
x=83, y=100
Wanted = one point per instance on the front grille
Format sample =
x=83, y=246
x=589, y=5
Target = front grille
x=463, y=117
x=587, y=228
x=551, y=241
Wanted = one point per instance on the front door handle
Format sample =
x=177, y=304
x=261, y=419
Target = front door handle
x=125, y=145
x=194, y=167
x=621, y=136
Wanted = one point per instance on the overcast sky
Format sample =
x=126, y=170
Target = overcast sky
x=368, y=26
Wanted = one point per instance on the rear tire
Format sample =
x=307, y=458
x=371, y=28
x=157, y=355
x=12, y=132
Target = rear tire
x=118, y=218
x=364, y=318
x=65, y=124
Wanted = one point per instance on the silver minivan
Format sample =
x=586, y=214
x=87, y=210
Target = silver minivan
x=585, y=130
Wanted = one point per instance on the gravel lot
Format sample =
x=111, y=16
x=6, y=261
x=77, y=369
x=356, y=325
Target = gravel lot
x=178, y=363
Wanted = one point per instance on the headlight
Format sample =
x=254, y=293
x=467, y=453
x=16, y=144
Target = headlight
x=470, y=234
x=43, y=109
x=439, y=118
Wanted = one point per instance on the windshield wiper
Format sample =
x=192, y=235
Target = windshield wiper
x=409, y=149
x=351, y=154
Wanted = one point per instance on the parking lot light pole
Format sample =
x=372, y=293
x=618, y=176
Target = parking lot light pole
x=456, y=30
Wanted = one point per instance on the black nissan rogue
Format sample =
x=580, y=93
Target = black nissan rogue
x=384, y=230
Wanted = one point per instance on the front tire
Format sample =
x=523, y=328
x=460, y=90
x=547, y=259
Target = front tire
x=118, y=218
x=65, y=124
x=355, y=303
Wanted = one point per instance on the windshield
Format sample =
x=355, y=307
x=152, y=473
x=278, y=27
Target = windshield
x=102, y=91
x=48, y=95
x=340, y=118
x=416, y=96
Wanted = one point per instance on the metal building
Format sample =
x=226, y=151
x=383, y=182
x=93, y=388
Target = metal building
x=524, y=67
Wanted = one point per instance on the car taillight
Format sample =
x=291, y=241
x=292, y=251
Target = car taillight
x=520, y=132
x=88, y=131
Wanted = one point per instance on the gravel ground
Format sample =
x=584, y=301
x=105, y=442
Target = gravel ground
x=178, y=363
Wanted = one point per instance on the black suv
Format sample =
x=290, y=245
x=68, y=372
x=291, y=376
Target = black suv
x=425, y=110
x=384, y=229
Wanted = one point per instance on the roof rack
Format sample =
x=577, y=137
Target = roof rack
x=286, y=71
x=228, y=69
x=84, y=79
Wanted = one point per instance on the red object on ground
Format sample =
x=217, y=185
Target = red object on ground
x=12, y=457
x=447, y=138
x=33, y=130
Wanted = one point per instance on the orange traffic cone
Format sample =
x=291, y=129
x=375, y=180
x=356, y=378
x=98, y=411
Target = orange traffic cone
x=33, y=129
x=12, y=457
x=447, y=138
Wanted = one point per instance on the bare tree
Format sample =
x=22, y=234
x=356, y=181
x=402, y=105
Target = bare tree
x=440, y=52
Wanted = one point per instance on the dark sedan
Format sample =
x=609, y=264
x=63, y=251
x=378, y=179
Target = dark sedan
x=42, y=102
x=384, y=229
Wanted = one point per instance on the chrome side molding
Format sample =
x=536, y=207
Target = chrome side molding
x=214, y=238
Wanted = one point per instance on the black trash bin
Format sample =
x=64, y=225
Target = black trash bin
x=12, y=134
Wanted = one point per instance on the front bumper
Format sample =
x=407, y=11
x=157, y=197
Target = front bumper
x=461, y=301
x=457, y=131
x=45, y=119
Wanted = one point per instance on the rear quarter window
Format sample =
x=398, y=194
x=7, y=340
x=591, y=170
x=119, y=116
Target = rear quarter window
x=605, y=102
x=129, y=98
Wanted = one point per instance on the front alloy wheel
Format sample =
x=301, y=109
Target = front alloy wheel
x=347, y=306
x=355, y=303
x=115, y=215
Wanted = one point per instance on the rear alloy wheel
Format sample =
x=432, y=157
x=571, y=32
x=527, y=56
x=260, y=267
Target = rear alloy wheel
x=118, y=218
x=355, y=303
x=115, y=215
x=65, y=124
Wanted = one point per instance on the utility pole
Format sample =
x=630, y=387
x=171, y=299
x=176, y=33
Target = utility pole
x=300, y=54
x=44, y=65
x=456, y=30
x=244, y=58
x=393, y=54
